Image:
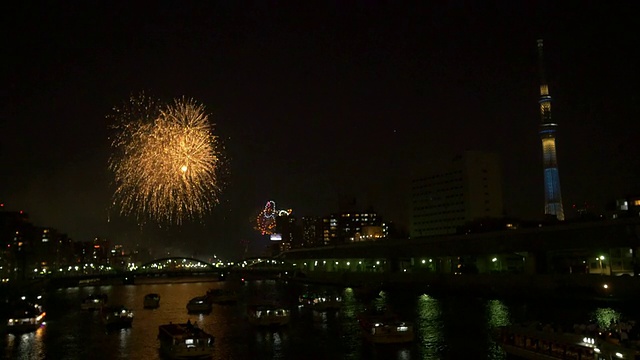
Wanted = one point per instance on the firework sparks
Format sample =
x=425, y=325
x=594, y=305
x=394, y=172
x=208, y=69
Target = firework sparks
x=165, y=160
x=266, y=220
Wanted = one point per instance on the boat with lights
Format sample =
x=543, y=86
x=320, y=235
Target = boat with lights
x=199, y=304
x=384, y=327
x=25, y=317
x=151, y=301
x=117, y=317
x=268, y=315
x=533, y=342
x=326, y=301
x=94, y=302
x=185, y=341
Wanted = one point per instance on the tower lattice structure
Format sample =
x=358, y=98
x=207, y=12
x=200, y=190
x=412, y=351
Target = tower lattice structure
x=552, y=194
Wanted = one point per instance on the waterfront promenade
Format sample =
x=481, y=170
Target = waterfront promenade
x=561, y=286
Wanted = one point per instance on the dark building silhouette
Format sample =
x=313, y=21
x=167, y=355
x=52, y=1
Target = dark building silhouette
x=451, y=194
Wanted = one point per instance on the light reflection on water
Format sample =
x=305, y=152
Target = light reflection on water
x=497, y=315
x=429, y=325
x=446, y=327
x=26, y=346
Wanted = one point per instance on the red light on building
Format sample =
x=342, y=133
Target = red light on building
x=96, y=246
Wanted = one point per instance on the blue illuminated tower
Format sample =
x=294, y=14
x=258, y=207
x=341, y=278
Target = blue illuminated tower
x=552, y=195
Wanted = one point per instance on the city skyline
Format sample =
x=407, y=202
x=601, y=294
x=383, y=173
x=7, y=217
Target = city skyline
x=316, y=104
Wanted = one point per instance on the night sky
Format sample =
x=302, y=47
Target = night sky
x=316, y=102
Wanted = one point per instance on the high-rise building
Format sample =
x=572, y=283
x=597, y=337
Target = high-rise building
x=360, y=226
x=453, y=194
x=330, y=228
x=286, y=226
x=552, y=195
x=311, y=231
x=51, y=251
x=626, y=207
x=351, y=227
x=16, y=239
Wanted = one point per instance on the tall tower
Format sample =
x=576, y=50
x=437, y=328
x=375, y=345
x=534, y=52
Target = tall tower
x=552, y=195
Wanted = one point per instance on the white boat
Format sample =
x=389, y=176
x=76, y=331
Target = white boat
x=381, y=327
x=117, y=317
x=185, y=341
x=94, y=302
x=25, y=318
x=199, y=304
x=530, y=342
x=321, y=301
x=268, y=315
x=151, y=301
x=222, y=296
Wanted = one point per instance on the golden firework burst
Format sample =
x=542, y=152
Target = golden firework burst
x=165, y=160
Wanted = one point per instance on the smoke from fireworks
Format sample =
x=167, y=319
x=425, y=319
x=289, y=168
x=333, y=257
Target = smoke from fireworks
x=165, y=160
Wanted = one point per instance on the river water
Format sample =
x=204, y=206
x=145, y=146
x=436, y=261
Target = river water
x=447, y=327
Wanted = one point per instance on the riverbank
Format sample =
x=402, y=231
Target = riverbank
x=594, y=287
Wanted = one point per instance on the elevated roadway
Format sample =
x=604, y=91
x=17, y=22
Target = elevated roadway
x=582, y=238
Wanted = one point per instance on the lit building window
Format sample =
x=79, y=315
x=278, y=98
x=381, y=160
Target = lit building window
x=624, y=206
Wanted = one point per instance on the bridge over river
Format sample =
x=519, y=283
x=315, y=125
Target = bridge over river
x=598, y=259
x=172, y=269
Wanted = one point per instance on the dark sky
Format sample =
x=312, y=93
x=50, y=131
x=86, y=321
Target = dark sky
x=316, y=101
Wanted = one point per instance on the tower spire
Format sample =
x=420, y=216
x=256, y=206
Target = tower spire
x=552, y=195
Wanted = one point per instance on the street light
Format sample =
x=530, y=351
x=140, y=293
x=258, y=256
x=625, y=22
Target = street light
x=601, y=268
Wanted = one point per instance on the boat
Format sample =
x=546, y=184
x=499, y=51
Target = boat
x=25, y=317
x=268, y=315
x=533, y=342
x=185, y=341
x=117, y=317
x=384, y=327
x=94, y=302
x=151, y=301
x=321, y=301
x=199, y=304
x=222, y=296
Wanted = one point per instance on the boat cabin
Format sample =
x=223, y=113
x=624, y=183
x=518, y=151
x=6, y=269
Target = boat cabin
x=531, y=343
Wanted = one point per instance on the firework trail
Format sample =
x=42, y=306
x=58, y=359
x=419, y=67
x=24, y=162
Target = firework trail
x=165, y=160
